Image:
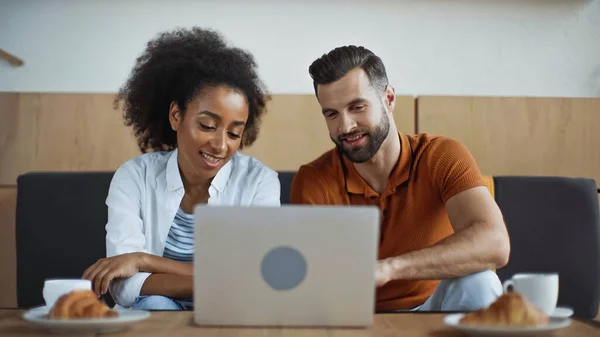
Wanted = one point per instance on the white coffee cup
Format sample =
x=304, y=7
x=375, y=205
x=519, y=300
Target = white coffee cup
x=53, y=289
x=540, y=289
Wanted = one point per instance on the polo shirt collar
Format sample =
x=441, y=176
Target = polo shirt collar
x=400, y=174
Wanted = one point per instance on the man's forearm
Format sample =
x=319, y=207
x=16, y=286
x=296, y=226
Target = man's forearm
x=159, y=265
x=473, y=249
x=169, y=285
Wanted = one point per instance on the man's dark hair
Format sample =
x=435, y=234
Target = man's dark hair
x=337, y=63
x=176, y=67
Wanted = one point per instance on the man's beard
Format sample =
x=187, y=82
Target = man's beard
x=374, y=140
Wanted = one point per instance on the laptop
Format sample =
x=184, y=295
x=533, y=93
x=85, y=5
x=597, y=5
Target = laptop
x=288, y=266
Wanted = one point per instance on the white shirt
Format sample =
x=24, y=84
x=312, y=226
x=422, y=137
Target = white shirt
x=146, y=192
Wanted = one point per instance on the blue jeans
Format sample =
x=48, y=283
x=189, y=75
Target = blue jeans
x=157, y=302
x=468, y=293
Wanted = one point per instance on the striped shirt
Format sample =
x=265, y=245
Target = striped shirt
x=180, y=243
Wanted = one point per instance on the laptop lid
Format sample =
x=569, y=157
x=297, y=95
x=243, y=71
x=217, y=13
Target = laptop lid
x=285, y=266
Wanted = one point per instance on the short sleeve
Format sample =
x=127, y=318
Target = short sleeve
x=451, y=167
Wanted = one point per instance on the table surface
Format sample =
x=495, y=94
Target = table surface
x=164, y=323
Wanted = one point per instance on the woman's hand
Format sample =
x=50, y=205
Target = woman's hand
x=107, y=269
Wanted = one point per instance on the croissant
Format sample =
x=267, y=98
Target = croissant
x=80, y=304
x=510, y=309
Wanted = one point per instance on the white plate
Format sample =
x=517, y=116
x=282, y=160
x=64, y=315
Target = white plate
x=562, y=312
x=39, y=317
x=554, y=324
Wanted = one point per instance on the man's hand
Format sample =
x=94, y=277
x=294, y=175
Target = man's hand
x=383, y=273
x=107, y=269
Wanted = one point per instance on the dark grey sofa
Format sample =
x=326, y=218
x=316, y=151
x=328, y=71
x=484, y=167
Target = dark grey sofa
x=554, y=225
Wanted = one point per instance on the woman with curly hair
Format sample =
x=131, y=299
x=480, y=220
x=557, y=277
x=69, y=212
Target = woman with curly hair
x=193, y=102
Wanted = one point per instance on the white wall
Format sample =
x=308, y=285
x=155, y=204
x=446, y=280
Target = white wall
x=451, y=47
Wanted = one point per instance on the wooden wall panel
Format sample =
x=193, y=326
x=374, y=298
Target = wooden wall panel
x=294, y=132
x=82, y=132
x=520, y=136
x=8, y=250
x=61, y=132
x=404, y=114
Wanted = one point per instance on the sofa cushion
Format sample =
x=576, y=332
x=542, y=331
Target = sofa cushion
x=554, y=226
x=60, y=228
x=285, y=179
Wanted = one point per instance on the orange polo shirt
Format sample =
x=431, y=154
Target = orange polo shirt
x=430, y=171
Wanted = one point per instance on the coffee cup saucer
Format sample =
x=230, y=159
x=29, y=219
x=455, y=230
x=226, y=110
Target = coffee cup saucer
x=562, y=312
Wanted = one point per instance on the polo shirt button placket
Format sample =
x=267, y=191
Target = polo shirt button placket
x=384, y=212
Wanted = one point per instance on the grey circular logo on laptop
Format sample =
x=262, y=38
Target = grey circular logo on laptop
x=283, y=268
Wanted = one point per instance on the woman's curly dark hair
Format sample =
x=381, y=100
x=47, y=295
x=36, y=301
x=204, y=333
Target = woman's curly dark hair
x=176, y=67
